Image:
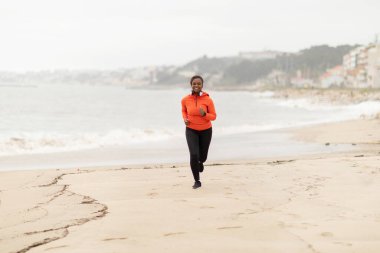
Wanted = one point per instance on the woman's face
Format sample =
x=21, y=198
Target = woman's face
x=196, y=85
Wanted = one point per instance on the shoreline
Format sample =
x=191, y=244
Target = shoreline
x=257, y=145
x=300, y=203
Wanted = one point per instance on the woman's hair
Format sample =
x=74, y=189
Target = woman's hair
x=195, y=77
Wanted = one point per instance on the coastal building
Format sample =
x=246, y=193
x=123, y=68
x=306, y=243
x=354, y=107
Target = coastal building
x=333, y=77
x=350, y=59
x=373, y=67
x=356, y=66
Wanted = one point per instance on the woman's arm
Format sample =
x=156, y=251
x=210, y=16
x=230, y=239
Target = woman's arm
x=184, y=110
x=211, y=113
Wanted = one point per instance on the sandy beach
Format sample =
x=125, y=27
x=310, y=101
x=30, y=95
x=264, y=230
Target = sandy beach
x=311, y=203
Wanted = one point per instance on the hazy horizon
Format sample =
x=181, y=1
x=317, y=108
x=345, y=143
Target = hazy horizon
x=76, y=35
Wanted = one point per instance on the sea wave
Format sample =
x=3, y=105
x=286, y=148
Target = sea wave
x=370, y=107
x=31, y=143
x=367, y=109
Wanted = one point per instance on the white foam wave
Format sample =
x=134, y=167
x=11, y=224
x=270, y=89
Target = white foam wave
x=228, y=130
x=367, y=108
x=30, y=143
x=307, y=104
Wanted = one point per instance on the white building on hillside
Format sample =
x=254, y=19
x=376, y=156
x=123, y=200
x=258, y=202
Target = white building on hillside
x=373, y=67
x=355, y=66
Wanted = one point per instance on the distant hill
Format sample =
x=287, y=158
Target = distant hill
x=311, y=62
x=206, y=66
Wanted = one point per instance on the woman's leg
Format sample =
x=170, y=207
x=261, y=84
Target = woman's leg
x=204, y=144
x=192, y=137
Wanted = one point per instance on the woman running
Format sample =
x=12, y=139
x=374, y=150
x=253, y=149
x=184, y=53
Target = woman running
x=198, y=111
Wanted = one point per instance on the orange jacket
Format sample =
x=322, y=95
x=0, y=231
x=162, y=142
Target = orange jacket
x=190, y=111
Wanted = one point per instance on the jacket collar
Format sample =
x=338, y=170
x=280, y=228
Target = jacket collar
x=202, y=93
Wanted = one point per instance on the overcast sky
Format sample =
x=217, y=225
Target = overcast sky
x=107, y=34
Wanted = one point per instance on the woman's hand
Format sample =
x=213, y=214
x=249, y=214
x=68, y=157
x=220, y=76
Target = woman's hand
x=202, y=112
x=186, y=122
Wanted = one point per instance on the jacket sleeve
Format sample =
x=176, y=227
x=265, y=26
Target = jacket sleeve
x=184, y=110
x=211, y=113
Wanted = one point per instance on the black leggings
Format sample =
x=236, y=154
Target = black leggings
x=198, y=142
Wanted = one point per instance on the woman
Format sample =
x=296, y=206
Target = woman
x=198, y=111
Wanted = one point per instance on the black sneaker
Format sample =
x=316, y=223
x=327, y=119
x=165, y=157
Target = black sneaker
x=201, y=167
x=197, y=184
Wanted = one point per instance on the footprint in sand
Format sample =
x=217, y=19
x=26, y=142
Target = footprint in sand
x=112, y=239
x=232, y=227
x=293, y=215
x=181, y=200
x=344, y=243
x=327, y=234
x=251, y=211
x=238, y=214
x=152, y=194
x=174, y=233
x=310, y=187
x=207, y=207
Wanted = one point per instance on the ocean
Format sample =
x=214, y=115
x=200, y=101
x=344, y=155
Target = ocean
x=145, y=126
